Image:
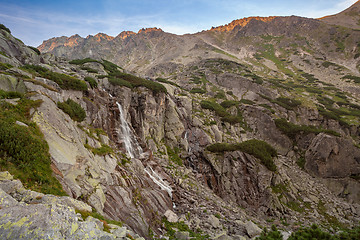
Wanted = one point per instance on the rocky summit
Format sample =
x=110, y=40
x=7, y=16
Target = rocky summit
x=214, y=135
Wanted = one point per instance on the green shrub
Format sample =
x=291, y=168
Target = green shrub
x=356, y=79
x=259, y=149
x=82, y=61
x=229, y=103
x=287, y=103
x=64, y=81
x=5, y=66
x=23, y=150
x=233, y=119
x=2, y=26
x=247, y=101
x=10, y=95
x=73, y=109
x=313, y=232
x=35, y=50
x=292, y=130
x=220, y=95
x=273, y=234
x=198, y=90
x=219, y=110
x=93, y=83
x=167, y=81
x=89, y=69
x=171, y=228
x=120, y=82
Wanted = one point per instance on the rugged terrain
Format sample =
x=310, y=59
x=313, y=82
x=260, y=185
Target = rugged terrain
x=228, y=130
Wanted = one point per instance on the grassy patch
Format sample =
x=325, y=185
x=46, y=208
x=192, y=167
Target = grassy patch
x=73, y=109
x=65, y=81
x=259, y=149
x=174, y=155
x=101, y=151
x=23, y=150
x=94, y=214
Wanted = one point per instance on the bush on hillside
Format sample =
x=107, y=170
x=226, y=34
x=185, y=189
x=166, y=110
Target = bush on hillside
x=65, y=81
x=2, y=26
x=219, y=110
x=198, y=90
x=291, y=130
x=82, y=61
x=259, y=149
x=93, y=83
x=73, y=109
x=35, y=50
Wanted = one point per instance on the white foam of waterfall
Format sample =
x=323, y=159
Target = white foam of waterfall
x=158, y=181
x=131, y=145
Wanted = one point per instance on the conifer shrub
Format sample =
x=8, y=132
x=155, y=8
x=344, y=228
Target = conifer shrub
x=273, y=234
x=229, y=103
x=292, y=130
x=82, y=61
x=120, y=82
x=287, y=103
x=219, y=110
x=198, y=90
x=35, y=50
x=93, y=83
x=163, y=80
x=64, y=81
x=73, y=109
x=2, y=26
x=5, y=66
x=259, y=149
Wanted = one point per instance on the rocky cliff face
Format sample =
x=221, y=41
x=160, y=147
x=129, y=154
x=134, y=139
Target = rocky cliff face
x=172, y=147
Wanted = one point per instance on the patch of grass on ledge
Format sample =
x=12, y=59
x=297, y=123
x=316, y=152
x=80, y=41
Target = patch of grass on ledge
x=291, y=130
x=257, y=148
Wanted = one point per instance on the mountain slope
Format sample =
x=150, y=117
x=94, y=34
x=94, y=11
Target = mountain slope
x=255, y=122
x=350, y=17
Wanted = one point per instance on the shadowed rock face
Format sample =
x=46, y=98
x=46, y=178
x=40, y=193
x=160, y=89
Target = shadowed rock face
x=332, y=157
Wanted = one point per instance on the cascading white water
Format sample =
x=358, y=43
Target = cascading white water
x=131, y=145
x=158, y=181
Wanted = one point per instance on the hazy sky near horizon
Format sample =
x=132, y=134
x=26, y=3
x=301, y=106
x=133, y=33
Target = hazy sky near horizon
x=33, y=21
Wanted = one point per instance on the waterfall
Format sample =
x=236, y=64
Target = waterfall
x=158, y=181
x=131, y=145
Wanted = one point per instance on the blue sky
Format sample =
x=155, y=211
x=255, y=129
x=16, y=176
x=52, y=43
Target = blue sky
x=38, y=20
